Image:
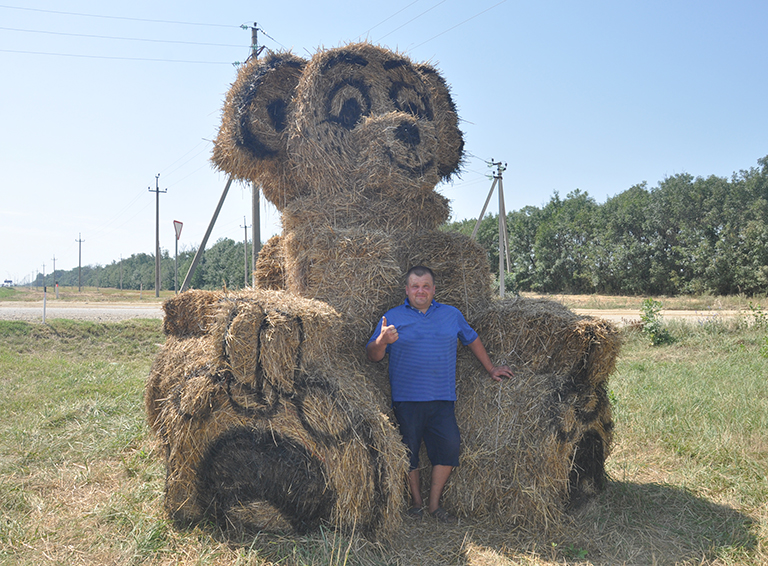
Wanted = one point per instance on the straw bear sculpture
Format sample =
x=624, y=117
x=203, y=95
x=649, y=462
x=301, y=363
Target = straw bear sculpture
x=268, y=412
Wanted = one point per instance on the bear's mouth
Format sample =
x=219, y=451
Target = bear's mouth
x=415, y=170
x=404, y=152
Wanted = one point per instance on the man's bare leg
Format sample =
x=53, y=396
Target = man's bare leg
x=439, y=477
x=414, y=484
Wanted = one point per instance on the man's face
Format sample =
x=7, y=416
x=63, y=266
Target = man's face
x=420, y=291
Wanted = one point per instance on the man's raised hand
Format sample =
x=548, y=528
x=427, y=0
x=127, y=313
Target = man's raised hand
x=388, y=333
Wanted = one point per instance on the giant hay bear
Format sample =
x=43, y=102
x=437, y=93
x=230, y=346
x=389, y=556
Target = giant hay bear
x=270, y=416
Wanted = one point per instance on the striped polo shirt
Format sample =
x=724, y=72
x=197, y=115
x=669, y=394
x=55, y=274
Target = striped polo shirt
x=422, y=362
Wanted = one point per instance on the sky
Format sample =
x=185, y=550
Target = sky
x=102, y=101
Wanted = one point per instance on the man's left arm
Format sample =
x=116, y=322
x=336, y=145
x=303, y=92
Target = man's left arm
x=496, y=372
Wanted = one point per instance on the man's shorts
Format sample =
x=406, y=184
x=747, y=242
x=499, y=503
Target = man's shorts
x=434, y=422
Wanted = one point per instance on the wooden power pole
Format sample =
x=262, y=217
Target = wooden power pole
x=256, y=199
x=157, y=192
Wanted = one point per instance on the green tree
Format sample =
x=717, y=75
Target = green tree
x=563, y=244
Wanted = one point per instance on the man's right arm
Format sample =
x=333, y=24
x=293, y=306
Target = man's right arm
x=375, y=350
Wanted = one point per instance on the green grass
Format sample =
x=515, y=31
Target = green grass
x=81, y=481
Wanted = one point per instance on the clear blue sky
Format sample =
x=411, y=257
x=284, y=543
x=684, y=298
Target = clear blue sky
x=99, y=97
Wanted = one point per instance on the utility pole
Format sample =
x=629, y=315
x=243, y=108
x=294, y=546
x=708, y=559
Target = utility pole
x=256, y=199
x=503, y=239
x=255, y=51
x=56, y=283
x=245, y=250
x=121, y=272
x=79, y=262
x=157, y=192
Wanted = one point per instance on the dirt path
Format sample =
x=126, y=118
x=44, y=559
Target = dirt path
x=624, y=317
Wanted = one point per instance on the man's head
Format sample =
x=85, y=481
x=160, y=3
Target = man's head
x=420, y=287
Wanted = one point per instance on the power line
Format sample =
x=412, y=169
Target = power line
x=412, y=19
x=115, y=58
x=386, y=19
x=172, y=171
x=120, y=38
x=80, y=14
x=457, y=25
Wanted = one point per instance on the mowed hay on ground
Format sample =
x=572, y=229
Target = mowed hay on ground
x=537, y=443
x=262, y=429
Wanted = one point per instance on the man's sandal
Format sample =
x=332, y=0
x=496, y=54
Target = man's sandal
x=443, y=516
x=416, y=513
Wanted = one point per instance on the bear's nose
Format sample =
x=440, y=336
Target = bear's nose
x=408, y=134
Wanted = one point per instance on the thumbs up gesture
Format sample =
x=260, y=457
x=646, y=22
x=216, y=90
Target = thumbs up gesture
x=388, y=332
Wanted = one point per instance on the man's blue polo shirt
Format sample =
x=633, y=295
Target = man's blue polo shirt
x=422, y=362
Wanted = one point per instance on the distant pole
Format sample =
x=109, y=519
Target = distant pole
x=79, y=261
x=157, y=192
x=501, y=239
x=121, y=272
x=245, y=250
x=256, y=198
x=56, y=283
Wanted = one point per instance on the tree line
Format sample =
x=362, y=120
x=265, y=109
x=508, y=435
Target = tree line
x=223, y=264
x=686, y=236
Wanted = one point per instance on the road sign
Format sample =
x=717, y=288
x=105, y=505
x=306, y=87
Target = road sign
x=177, y=226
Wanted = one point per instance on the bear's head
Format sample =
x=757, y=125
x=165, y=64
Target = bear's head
x=353, y=125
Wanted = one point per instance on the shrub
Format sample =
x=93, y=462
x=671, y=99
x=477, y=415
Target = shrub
x=653, y=326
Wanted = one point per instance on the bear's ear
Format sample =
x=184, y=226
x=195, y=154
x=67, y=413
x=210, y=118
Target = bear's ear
x=255, y=116
x=450, y=140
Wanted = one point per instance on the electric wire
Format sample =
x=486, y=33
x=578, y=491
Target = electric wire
x=80, y=14
x=457, y=25
x=115, y=58
x=89, y=36
x=172, y=171
x=411, y=20
x=386, y=20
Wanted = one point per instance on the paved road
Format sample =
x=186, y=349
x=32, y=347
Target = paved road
x=97, y=312
x=114, y=312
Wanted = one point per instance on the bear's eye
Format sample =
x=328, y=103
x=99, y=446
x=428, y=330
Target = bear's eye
x=277, y=110
x=347, y=103
x=407, y=99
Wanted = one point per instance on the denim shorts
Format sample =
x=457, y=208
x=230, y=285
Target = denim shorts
x=434, y=422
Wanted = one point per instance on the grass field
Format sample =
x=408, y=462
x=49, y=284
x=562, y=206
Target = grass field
x=81, y=482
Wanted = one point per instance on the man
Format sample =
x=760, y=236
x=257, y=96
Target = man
x=420, y=338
